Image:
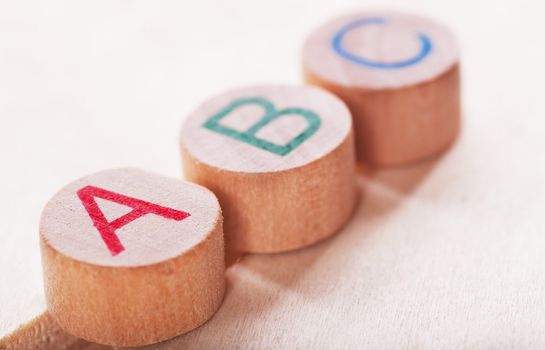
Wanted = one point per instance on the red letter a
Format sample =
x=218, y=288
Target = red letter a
x=107, y=229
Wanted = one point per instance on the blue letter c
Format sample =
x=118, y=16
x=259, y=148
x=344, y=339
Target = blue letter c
x=337, y=44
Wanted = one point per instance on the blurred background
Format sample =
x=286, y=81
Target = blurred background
x=88, y=85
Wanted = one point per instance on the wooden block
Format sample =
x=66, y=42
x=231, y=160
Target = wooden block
x=131, y=258
x=399, y=76
x=41, y=333
x=281, y=161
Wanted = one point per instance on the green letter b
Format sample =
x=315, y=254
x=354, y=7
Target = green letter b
x=271, y=114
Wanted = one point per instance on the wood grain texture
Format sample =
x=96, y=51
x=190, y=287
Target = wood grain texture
x=42, y=333
x=398, y=74
x=275, y=202
x=167, y=281
x=442, y=257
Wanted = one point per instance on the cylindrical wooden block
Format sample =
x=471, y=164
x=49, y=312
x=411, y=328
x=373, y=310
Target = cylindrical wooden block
x=399, y=76
x=131, y=258
x=281, y=161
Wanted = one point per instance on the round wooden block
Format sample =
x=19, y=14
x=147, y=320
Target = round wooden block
x=281, y=161
x=131, y=258
x=399, y=76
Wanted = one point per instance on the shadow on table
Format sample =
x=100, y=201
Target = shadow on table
x=256, y=283
x=382, y=191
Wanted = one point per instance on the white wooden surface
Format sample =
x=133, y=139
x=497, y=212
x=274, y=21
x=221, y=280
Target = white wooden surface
x=443, y=256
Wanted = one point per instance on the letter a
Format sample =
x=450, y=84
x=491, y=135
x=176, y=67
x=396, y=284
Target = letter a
x=107, y=229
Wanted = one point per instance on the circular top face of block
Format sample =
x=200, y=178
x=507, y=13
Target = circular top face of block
x=128, y=217
x=379, y=50
x=266, y=128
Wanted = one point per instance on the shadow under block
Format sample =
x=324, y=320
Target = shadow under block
x=281, y=161
x=398, y=74
x=131, y=258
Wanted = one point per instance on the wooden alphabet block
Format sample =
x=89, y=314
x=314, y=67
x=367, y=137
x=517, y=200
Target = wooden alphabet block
x=399, y=76
x=131, y=258
x=281, y=161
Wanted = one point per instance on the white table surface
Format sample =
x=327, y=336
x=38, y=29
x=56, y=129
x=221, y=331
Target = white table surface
x=445, y=255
